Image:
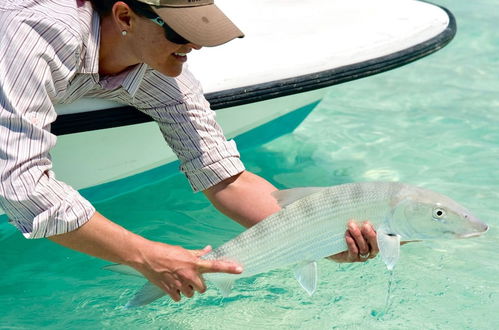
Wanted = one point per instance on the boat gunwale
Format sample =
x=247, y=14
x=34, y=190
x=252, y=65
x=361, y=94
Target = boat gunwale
x=128, y=115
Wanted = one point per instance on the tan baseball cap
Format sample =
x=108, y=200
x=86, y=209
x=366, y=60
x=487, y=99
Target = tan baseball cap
x=199, y=21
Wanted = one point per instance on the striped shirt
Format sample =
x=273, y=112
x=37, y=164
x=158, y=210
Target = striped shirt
x=49, y=55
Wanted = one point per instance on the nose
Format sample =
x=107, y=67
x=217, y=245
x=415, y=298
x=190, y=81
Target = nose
x=479, y=225
x=195, y=46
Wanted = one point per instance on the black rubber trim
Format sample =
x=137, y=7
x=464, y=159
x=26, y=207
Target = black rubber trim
x=121, y=116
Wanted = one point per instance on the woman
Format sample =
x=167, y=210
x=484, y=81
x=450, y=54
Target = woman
x=134, y=53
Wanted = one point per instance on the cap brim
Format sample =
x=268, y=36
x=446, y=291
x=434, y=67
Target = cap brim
x=201, y=25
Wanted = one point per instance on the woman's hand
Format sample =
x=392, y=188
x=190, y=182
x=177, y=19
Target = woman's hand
x=178, y=271
x=361, y=242
x=172, y=268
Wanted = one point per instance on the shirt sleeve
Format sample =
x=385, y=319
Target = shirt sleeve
x=36, y=64
x=188, y=125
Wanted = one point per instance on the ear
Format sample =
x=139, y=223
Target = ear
x=122, y=15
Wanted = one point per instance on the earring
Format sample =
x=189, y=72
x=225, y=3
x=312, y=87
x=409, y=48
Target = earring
x=124, y=33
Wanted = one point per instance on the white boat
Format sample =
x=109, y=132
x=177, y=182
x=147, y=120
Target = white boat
x=292, y=53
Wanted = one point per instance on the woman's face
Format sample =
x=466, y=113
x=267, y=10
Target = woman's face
x=149, y=45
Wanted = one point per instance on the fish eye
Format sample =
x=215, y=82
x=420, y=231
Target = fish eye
x=439, y=213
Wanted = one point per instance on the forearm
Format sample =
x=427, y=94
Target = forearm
x=245, y=198
x=172, y=268
x=104, y=239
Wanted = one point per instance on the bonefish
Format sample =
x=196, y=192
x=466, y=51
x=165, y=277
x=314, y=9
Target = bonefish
x=311, y=225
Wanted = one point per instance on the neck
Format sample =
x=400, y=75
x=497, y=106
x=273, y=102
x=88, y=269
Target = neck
x=114, y=53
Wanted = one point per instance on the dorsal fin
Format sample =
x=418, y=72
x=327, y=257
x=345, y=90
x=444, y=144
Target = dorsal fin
x=288, y=196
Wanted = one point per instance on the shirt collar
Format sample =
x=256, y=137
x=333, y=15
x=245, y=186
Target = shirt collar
x=90, y=60
x=129, y=79
x=132, y=80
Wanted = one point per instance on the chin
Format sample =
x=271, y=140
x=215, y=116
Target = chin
x=172, y=74
x=172, y=71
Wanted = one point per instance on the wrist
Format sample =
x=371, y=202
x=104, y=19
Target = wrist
x=136, y=254
x=145, y=254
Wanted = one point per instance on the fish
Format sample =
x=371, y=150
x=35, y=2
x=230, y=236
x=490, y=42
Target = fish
x=311, y=225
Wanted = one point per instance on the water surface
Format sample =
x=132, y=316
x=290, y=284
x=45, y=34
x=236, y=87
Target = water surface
x=433, y=123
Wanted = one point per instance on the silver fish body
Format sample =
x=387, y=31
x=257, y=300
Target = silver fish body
x=312, y=222
x=313, y=227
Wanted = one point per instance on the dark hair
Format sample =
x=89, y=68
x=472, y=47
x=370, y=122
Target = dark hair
x=104, y=7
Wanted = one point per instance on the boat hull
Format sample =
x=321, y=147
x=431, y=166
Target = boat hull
x=105, y=148
x=96, y=157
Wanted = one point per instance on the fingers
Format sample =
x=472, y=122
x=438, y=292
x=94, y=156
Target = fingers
x=174, y=294
x=215, y=266
x=361, y=242
x=187, y=290
x=369, y=235
x=183, y=287
x=357, y=235
x=187, y=285
x=353, y=250
x=172, y=289
x=219, y=266
x=187, y=281
x=197, y=284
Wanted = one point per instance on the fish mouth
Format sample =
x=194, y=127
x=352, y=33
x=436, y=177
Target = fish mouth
x=477, y=227
x=475, y=234
x=469, y=235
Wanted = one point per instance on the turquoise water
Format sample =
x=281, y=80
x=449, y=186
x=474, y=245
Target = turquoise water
x=432, y=123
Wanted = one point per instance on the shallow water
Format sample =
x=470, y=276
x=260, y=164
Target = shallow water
x=432, y=123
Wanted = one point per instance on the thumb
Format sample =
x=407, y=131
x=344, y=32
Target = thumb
x=199, y=253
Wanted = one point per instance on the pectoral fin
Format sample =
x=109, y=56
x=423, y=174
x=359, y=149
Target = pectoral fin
x=147, y=294
x=389, y=248
x=306, y=275
x=224, y=286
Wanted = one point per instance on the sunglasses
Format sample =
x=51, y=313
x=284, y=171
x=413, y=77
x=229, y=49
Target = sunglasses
x=170, y=34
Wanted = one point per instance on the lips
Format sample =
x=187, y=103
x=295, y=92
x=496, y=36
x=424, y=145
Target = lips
x=182, y=57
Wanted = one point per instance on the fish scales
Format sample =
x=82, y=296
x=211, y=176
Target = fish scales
x=311, y=225
x=259, y=248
